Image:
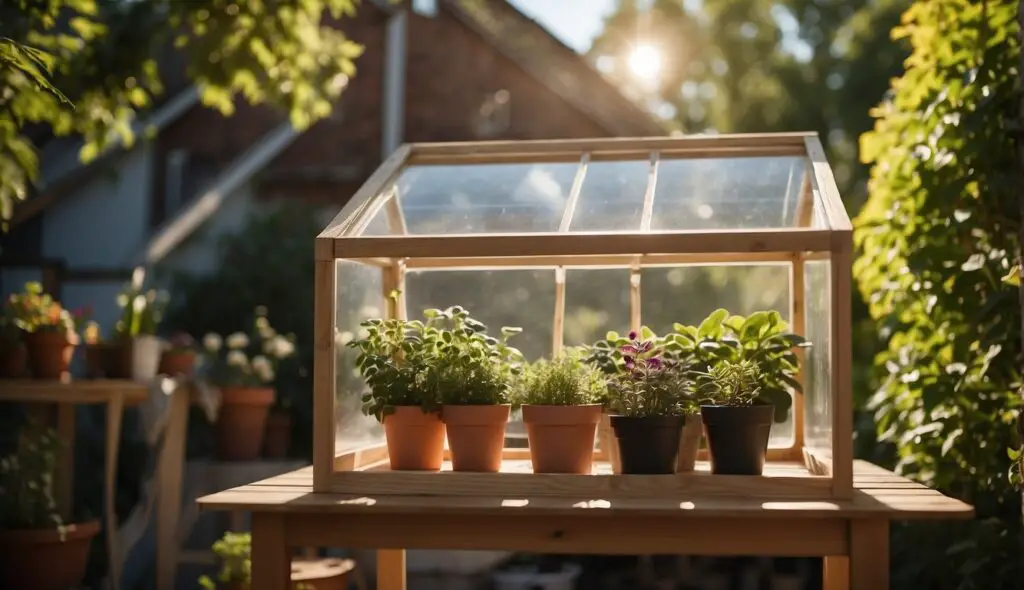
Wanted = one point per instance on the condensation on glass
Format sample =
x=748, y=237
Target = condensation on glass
x=572, y=239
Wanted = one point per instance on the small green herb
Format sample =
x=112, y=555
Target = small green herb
x=563, y=381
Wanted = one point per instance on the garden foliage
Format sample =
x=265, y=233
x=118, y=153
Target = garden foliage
x=936, y=236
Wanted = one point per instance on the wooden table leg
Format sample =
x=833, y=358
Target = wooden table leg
x=869, y=554
x=271, y=562
x=169, y=478
x=115, y=410
x=391, y=569
x=836, y=573
x=65, y=474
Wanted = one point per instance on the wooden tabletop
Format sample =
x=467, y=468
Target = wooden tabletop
x=78, y=391
x=878, y=494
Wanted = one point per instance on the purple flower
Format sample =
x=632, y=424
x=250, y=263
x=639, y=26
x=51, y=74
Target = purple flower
x=646, y=345
x=629, y=349
x=629, y=362
x=654, y=362
x=632, y=335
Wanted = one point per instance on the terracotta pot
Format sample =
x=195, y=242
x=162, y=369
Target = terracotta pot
x=178, y=362
x=476, y=436
x=242, y=422
x=96, y=357
x=49, y=353
x=40, y=560
x=562, y=437
x=13, y=360
x=278, y=436
x=689, y=444
x=415, y=439
x=118, y=363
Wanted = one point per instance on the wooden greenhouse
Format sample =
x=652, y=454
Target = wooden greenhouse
x=569, y=239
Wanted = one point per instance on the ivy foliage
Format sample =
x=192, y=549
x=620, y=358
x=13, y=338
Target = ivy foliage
x=936, y=236
x=103, y=56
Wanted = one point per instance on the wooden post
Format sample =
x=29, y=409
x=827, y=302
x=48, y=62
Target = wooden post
x=169, y=476
x=836, y=572
x=869, y=554
x=390, y=569
x=115, y=409
x=798, y=316
x=325, y=294
x=271, y=563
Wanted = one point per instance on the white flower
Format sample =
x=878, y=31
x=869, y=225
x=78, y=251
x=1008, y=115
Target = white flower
x=138, y=278
x=237, y=358
x=139, y=303
x=262, y=367
x=279, y=347
x=212, y=342
x=237, y=341
x=264, y=329
x=122, y=300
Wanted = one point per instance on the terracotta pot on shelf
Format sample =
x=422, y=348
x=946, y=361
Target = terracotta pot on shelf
x=49, y=353
x=178, y=362
x=41, y=560
x=562, y=437
x=13, y=360
x=242, y=422
x=278, y=436
x=689, y=444
x=476, y=436
x=415, y=439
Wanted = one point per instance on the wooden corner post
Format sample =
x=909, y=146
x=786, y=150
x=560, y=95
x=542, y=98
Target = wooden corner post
x=325, y=300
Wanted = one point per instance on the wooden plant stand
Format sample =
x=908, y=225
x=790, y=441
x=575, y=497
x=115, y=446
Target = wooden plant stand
x=852, y=536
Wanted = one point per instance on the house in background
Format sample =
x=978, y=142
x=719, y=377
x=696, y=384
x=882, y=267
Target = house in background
x=436, y=70
x=441, y=70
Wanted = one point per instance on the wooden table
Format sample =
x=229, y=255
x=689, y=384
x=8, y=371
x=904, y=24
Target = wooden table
x=852, y=536
x=115, y=394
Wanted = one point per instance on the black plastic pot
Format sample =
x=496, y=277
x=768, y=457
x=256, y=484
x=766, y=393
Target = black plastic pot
x=737, y=437
x=648, y=445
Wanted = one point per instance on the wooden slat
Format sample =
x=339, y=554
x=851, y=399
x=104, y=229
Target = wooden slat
x=605, y=261
x=367, y=197
x=83, y=391
x=585, y=243
x=574, y=534
x=574, y=194
x=616, y=155
x=325, y=283
x=823, y=178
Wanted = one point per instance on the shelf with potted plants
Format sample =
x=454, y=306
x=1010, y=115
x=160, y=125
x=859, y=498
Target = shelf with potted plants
x=445, y=377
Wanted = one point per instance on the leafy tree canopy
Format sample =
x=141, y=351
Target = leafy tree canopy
x=102, y=54
x=936, y=237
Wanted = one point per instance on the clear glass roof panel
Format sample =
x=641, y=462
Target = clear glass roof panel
x=485, y=198
x=611, y=197
x=727, y=193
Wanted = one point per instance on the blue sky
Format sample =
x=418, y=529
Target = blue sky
x=575, y=22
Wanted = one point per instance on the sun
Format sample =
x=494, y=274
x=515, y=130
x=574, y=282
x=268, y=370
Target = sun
x=645, y=63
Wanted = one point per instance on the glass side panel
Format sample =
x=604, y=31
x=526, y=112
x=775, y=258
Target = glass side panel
x=521, y=297
x=379, y=226
x=818, y=363
x=484, y=198
x=596, y=301
x=727, y=193
x=688, y=294
x=359, y=297
x=611, y=197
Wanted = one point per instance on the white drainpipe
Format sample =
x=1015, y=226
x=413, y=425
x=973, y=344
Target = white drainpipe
x=393, y=107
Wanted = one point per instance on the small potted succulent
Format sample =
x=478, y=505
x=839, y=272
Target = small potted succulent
x=48, y=331
x=179, y=356
x=243, y=366
x=746, y=370
x=471, y=376
x=136, y=349
x=13, y=357
x=393, y=360
x=38, y=550
x=562, y=404
x=650, y=398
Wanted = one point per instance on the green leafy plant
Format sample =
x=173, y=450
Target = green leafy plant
x=762, y=339
x=247, y=359
x=33, y=310
x=26, y=482
x=565, y=380
x=650, y=384
x=730, y=384
x=234, y=552
x=142, y=309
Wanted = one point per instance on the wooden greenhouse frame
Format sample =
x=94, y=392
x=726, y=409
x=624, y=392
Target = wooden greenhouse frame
x=822, y=231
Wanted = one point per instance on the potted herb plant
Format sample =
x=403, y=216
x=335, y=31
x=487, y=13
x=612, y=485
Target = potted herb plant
x=48, y=331
x=561, y=401
x=393, y=359
x=471, y=376
x=13, y=357
x=243, y=366
x=38, y=550
x=179, y=357
x=137, y=349
x=650, y=398
x=746, y=368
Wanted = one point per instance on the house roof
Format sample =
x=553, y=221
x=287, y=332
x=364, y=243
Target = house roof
x=533, y=48
x=73, y=172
